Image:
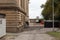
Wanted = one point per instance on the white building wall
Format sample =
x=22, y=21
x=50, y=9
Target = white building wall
x=2, y=27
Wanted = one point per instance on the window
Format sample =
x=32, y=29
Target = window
x=2, y=15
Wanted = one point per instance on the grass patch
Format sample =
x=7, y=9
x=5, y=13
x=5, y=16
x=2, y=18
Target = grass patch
x=55, y=34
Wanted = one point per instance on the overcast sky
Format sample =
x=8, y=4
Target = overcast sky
x=35, y=9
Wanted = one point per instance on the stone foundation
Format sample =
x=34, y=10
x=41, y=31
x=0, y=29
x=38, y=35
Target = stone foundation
x=3, y=38
x=14, y=29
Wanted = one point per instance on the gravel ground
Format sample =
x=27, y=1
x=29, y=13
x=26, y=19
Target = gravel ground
x=31, y=34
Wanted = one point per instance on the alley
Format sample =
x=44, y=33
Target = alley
x=31, y=34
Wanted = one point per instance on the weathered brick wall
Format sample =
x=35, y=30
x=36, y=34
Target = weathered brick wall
x=8, y=3
x=14, y=20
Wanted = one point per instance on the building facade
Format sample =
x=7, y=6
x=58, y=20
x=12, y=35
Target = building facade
x=16, y=12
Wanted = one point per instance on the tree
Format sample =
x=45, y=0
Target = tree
x=57, y=9
x=48, y=10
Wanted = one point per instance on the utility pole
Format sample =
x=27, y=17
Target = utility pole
x=53, y=12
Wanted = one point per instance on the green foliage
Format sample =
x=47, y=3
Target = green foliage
x=57, y=10
x=48, y=10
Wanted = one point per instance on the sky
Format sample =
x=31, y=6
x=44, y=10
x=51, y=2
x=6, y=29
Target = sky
x=35, y=9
